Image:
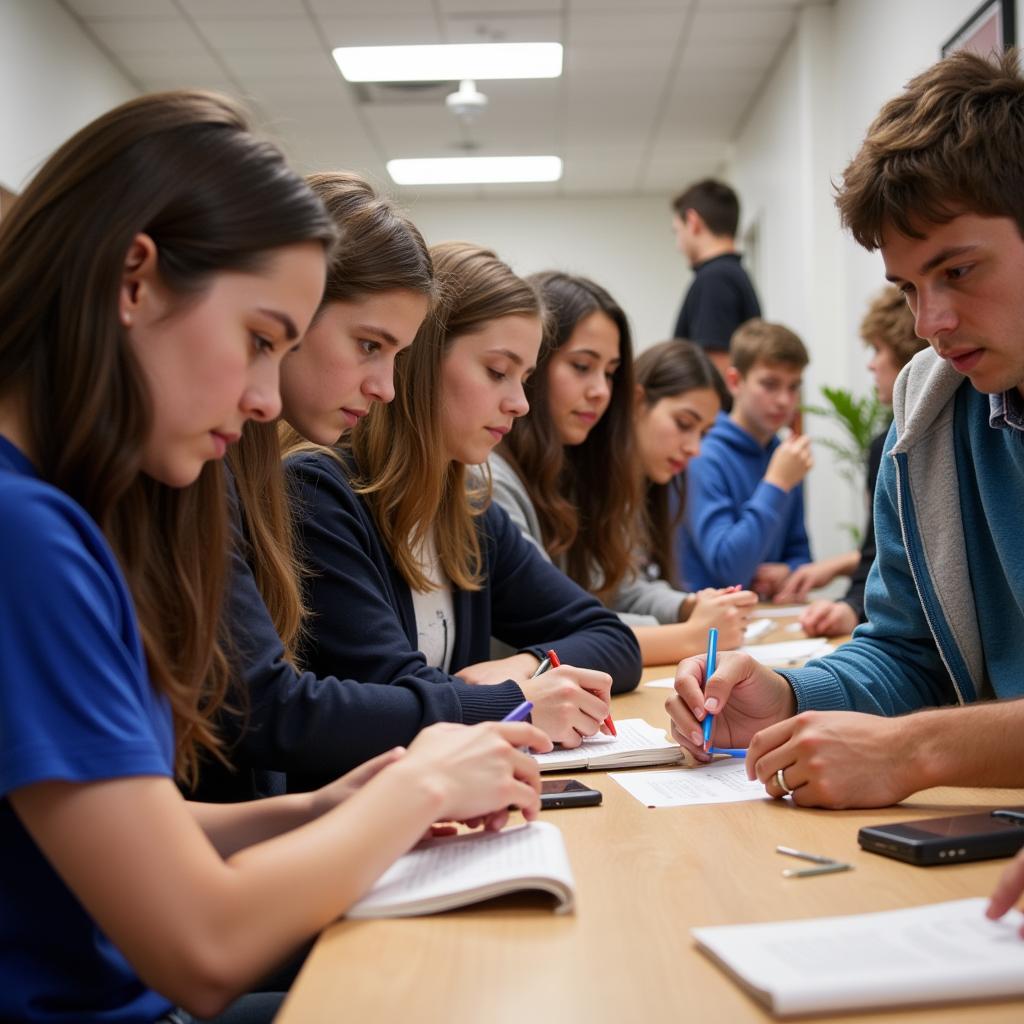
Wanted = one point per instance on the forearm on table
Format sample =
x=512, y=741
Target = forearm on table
x=978, y=745
x=661, y=645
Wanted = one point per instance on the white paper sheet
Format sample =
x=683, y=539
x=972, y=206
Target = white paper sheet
x=935, y=953
x=756, y=630
x=788, y=652
x=721, y=782
x=782, y=611
x=665, y=683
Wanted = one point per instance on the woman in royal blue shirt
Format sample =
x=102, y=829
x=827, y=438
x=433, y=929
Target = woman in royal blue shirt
x=152, y=277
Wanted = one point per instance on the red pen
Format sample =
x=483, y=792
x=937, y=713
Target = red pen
x=555, y=663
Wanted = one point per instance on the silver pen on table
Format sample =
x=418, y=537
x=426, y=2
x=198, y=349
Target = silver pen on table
x=822, y=869
x=816, y=858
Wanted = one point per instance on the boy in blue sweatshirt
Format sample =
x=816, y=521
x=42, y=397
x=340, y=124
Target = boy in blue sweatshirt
x=745, y=498
x=938, y=189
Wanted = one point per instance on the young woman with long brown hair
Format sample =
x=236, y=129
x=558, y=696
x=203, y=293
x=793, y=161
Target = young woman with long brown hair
x=678, y=396
x=571, y=478
x=411, y=572
x=316, y=727
x=152, y=278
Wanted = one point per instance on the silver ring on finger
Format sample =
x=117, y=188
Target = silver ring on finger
x=780, y=778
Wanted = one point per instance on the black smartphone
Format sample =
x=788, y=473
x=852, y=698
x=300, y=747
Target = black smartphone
x=948, y=840
x=567, y=793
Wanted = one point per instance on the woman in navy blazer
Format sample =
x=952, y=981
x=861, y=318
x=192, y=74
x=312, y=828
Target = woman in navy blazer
x=400, y=545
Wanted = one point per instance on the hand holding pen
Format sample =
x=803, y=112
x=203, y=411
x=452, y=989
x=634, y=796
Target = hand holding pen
x=551, y=661
x=740, y=694
x=569, y=703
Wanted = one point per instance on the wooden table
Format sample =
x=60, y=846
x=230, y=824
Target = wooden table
x=644, y=878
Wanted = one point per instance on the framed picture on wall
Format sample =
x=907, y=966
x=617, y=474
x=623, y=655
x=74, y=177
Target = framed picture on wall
x=990, y=28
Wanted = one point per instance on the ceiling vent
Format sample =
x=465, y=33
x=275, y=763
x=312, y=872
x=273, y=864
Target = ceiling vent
x=382, y=94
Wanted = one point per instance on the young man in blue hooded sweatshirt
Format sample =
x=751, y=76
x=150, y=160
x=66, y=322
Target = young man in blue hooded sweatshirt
x=938, y=188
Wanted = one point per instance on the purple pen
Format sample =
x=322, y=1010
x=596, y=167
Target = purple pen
x=521, y=713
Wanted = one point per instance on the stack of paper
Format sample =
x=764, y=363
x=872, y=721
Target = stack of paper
x=931, y=954
x=637, y=743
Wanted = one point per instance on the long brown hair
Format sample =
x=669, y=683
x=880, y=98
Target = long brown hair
x=183, y=168
x=380, y=250
x=585, y=495
x=410, y=487
x=666, y=370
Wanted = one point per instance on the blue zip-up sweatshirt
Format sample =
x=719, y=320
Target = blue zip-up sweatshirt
x=734, y=520
x=362, y=609
x=949, y=491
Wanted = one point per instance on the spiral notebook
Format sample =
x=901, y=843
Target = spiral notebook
x=637, y=744
x=455, y=871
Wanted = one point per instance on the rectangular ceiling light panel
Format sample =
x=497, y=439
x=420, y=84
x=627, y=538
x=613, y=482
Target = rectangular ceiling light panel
x=478, y=61
x=475, y=170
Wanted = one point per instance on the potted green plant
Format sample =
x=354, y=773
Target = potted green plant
x=860, y=420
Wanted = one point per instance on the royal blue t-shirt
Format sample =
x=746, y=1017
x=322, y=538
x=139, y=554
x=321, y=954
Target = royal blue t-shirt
x=75, y=705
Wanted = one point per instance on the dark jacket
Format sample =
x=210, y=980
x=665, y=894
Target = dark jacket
x=317, y=726
x=363, y=612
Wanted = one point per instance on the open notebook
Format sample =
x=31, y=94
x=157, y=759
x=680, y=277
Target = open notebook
x=942, y=952
x=454, y=871
x=637, y=744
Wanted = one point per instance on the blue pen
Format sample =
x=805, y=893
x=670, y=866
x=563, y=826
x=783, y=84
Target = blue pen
x=520, y=713
x=731, y=751
x=709, y=672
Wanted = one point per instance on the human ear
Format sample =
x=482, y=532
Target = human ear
x=733, y=379
x=138, y=279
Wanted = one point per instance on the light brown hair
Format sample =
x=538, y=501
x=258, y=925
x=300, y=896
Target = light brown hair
x=758, y=341
x=380, y=251
x=412, y=490
x=950, y=143
x=889, y=322
x=585, y=495
x=183, y=168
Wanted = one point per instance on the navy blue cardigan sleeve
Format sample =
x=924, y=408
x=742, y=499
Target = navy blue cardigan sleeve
x=535, y=606
x=312, y=726
x=363, y=606
x=362, y=611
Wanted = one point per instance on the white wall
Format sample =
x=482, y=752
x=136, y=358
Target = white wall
x=53, y=80
x=844, y=61
x=626, y=245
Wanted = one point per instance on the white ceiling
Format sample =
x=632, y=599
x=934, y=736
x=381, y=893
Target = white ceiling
x=651, y=93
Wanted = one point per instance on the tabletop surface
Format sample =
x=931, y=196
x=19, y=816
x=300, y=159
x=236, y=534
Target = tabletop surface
x=644, y=878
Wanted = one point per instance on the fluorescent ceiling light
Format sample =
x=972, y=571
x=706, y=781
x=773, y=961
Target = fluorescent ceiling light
x=474, y=170
x=478, y=61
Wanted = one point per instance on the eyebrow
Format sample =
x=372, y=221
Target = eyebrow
x=380, y=333
x=937, y=259
x=508, y=353
x=596, y=355
x=291, y=332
